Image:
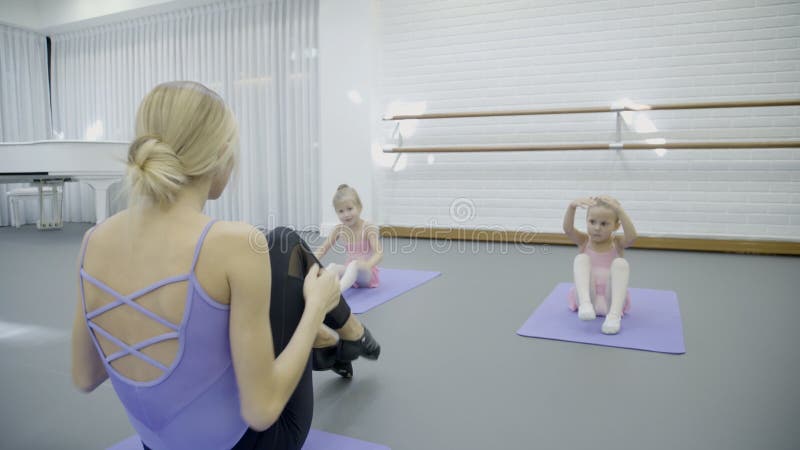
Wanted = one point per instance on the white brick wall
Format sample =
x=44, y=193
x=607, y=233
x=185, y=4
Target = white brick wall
x=498, y=54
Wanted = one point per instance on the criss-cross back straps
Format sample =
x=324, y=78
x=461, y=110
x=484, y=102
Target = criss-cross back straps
x=129, y=300
x=128, y=350
x=142, y=344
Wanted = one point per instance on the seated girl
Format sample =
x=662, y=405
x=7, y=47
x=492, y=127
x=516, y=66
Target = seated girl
x=362, y=245
x=601, y=273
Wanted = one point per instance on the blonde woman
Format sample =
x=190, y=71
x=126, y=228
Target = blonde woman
x=204, y=327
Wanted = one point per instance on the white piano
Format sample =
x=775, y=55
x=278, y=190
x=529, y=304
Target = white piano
x=96, y=163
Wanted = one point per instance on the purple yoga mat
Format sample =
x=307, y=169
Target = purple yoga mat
x=322, y=440
x=131, y=443
x=653, y=323
x=317, y=440
x=393, y=282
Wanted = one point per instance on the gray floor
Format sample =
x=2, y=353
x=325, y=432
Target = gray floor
x=453, y=374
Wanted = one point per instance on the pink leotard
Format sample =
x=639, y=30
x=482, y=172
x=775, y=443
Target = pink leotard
x=362, y=251
x=601, y=272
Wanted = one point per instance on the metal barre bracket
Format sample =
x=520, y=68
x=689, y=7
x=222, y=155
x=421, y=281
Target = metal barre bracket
x=397, y=136
x=617, y=107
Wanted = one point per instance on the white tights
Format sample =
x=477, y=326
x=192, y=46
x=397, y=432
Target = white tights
x=349, y=274
x=584, y=286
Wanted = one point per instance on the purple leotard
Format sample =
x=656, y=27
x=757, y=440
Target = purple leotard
x=194, y=404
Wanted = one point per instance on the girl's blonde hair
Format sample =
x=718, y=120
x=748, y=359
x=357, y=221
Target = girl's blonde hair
x=602, y=204
x=345, y=192
x=184, y=131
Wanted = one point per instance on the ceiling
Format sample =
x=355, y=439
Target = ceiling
x=51, y=16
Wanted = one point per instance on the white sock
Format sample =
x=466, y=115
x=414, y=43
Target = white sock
x=611, y=324
x=586, y=311
x=349, y=276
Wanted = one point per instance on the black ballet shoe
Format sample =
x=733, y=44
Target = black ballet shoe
x=366, y=346
x=343, y=368
x=324, y=358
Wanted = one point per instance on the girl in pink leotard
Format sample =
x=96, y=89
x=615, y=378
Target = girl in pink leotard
x=601, y=273
x=362, y=245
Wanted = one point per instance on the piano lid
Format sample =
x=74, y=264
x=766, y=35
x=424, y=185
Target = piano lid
x=64, y=158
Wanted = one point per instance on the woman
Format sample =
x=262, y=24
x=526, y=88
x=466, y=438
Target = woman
x=205, y=328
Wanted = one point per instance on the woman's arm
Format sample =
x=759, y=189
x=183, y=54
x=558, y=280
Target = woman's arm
x=265, y=382
x=88, y=371
x=375, y=243
x=578, y=237
x=328, y=244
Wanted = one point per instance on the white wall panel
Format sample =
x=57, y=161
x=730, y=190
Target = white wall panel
x=485, y=55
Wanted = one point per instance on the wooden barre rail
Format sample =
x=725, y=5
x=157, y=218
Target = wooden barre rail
x=643, y=242
x=618, y=146
x=597, y=109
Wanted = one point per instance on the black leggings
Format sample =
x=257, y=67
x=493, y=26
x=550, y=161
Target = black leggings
x=290, y=258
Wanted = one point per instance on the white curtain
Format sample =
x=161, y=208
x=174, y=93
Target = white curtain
x=259, y=55
x=24, y=94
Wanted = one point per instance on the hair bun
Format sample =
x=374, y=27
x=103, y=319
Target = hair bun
x=155, y=169
x=345, y=191
x=143, y=147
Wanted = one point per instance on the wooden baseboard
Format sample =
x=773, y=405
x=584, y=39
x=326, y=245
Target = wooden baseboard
x=751, y=247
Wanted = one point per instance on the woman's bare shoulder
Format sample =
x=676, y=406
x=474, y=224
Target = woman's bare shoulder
x=106, y=233
x=112, y=222
x=233, y=228
x=232, y=237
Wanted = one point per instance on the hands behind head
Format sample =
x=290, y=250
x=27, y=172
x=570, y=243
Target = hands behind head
x=588, y=202
x=610, y=201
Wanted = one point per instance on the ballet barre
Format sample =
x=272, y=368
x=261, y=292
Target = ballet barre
x=616, y=108
x=598, y=146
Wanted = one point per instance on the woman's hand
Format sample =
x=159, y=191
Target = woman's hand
x=321, y=289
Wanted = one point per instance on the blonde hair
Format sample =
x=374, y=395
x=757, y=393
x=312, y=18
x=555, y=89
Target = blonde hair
x=184, y=131
x=344, y=192
x=602, y=204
